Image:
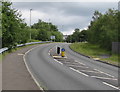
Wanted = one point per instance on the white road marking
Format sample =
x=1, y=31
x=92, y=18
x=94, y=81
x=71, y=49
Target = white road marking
x=58, y=62
x=78, y=66
x=79, y=62
x=104, y=78
x=111, y=85
x=79, y=72
x=89, y=71
x=48, y=53
x=20, y=54
x=104, y=73
x=29, y=69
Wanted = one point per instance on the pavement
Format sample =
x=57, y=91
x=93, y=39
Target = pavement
x=75, y=72
x=0, y=75
x=15, y=75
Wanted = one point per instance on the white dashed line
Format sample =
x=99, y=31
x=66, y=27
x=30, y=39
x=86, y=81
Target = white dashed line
x=104, y=73
x=58, y=62
x=78, y=66
x=79, y=62
x=111, y=85
x=78, y=71
x=103, y=78
x=89, y=71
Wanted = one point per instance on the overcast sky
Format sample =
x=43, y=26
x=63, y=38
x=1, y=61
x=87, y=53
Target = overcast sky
x=66, y=15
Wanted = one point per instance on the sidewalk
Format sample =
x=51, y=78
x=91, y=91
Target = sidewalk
x=0, y=75
x=14, y=73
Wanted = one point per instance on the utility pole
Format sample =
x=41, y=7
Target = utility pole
x=30, y=24
x=49, y=26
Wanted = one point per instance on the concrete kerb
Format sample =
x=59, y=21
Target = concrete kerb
x=96, y=60
x=29, y=69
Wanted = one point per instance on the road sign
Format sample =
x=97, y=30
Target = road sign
x=52, y=37
x=62, y=49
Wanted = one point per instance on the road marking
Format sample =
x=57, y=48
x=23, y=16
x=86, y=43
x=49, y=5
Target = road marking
x=89, y=71
x=58, y=62
x=77, y=66
x=104, y=73
x=79, y=72
x=104, y=78
x=111, y=85
x=29, y=69
x=79, y=62
x=56, y=56
x=48, y=53
x=20, y=54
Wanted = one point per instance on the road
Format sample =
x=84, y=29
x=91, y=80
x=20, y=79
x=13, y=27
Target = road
x=90, y=75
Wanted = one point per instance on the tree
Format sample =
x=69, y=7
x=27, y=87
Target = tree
x=104, y=29
x=46, y=30
x=14, y=30
x=77, y=36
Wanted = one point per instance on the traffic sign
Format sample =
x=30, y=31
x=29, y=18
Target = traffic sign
x=62, y=49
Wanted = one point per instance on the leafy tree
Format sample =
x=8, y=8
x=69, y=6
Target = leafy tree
x=14, y=30
x=104, y=29
x=34, y=34
x=46, y=30
x=10, y=22
x=43, y=35
x=77, y=36
x=69, y=39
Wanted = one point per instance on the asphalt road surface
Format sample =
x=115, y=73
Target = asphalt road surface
x=78, y=73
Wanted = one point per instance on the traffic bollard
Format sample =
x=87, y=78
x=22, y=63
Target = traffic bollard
x=63, y=52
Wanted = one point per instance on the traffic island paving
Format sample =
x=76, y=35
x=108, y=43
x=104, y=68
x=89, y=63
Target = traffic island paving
x=14, y=72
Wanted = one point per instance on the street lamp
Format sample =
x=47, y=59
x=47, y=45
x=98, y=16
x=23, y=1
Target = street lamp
x=30, y=24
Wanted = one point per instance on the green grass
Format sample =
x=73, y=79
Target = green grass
x=15, y=49
x=94, y=51
x=32, y=40
x=114, y=59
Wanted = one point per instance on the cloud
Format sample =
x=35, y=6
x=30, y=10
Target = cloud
x=66, y=15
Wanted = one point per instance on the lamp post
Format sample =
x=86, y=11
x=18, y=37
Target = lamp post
x=30, y=24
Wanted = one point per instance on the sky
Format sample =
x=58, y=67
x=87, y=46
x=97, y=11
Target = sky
x=65, y=15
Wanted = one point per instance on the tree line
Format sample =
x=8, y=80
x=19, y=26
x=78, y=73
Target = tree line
x=103, y=30
x=15, y=31
x=43, y=31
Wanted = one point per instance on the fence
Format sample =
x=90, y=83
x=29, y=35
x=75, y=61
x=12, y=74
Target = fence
x=116, y=47
x=20, y=45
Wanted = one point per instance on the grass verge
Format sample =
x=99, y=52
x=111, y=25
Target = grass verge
x=15, y=49
x=95, y=52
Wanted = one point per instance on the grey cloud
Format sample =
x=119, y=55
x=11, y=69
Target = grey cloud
x=68, y=8
x=70, y=14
